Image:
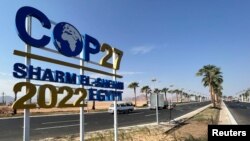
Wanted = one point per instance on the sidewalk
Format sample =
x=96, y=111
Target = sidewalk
x=225, y=115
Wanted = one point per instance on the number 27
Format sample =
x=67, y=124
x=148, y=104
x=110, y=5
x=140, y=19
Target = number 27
x=109, y=53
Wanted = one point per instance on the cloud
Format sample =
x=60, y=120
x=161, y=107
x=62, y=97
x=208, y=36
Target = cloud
x=141, y=50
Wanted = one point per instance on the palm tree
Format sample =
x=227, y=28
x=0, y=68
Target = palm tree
x=246, y=94
x=177, y=92
x=185, y=96
x=181, y=93
x=212, y=78
x=218, y=91
x=134, y=85
x=165, y=90
x=157, y=91
x=171, y=92
x=199, y=98
x=146, y=90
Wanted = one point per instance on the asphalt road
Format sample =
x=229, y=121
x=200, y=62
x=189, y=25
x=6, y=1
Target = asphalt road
x=240, y=111
x=53, y=126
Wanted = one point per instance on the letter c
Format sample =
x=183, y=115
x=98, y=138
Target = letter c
x=21, y=15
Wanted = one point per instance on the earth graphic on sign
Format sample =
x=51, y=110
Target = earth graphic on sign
x=67, y=39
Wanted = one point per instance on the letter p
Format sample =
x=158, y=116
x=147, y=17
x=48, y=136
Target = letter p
x=89, y=50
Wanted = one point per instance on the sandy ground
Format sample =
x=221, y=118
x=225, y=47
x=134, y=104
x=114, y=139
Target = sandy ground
x=196, y=127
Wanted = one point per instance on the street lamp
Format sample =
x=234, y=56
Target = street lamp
x=3, y=98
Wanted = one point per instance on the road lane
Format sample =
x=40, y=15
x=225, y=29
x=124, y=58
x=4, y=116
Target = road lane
x=52, y=126
x=240, y=111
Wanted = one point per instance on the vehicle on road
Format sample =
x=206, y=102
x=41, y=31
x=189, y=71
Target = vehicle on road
x=171, y=105
x=236, y=101
x=123, y=107
x=162, y=104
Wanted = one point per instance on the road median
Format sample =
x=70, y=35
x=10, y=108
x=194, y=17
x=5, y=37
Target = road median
x=226, y=117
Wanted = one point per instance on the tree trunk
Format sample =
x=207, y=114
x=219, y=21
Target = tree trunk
x=176, y=98
x=147, y=98
x=181, y=97
x=166, y=99
x=211, y=95
x=135, y=96
x=93, y=106
x=216, y=97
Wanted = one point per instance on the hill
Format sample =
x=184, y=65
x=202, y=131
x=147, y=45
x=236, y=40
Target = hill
x=8, y=99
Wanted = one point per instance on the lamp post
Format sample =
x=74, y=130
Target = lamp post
x=3, y=97
x=156, y=107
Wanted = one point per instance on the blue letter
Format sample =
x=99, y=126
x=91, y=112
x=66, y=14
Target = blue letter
x=101, y=94
x=48, y=75
x=84, y=80
x=21, y=15
x=59, y=76
x=34, y=74
x=70, y=78
x=87, y=49
x=93, y=95
x=19, y=70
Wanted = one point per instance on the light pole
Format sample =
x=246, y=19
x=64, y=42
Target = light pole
x=156, y=107
x=3, y=97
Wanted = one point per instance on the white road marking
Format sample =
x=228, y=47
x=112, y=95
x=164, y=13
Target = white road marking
x=131, y=114
x=59, y=121
x=150, y=115
x=53, y=127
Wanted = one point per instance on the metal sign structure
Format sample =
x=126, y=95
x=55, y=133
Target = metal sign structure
x=69, y=45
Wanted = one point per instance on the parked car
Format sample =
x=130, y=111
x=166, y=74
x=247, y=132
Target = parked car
x=124, y=107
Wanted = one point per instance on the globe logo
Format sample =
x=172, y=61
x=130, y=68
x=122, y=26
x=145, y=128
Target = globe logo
x=67, y=39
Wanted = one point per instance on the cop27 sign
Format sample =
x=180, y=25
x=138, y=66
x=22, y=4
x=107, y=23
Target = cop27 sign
x=69, y=42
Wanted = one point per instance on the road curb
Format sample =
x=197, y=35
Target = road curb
x=228, y=113
x=193, y=113
x=179, y=120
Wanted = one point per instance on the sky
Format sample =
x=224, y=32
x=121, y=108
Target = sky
x=168, y=40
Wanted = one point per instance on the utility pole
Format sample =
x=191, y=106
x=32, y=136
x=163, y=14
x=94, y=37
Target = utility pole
x=3, y=97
